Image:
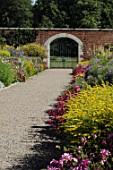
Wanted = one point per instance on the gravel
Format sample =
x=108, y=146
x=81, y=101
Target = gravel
x=22, y=109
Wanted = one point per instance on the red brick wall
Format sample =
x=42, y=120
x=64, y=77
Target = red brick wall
x=90, y=37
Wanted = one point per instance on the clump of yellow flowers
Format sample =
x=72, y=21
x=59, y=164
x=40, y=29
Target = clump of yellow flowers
x=85, y=63
x=90, y=112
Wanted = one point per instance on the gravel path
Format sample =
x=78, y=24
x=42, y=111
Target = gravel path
x=22, y=113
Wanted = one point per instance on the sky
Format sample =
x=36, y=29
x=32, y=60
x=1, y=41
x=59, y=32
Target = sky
x=33, y=1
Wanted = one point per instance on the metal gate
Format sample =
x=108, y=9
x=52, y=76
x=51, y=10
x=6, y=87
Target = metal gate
x=63, y=52
x=62, y=62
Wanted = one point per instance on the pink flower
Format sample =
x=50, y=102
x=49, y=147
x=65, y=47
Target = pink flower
x=110, y=54
x=66, y=156
x=60, y=98
x=83, y=140
x=104, y=142
x=61, y=164
x=86, y=161
x=77, y=88
x=105, y=152
x=54, y=162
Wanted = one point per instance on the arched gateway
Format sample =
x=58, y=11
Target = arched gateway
x=63, y=35
x=87, y=39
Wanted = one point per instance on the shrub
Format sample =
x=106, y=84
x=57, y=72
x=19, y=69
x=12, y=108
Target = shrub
x=18, y=37
x=91, y=112
x=4, y=53
x=83, y=158
x=6, y=73
x=8, y=47
x=100, y=69
x=34, y=50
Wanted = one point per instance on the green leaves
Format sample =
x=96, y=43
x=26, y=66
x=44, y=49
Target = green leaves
x=16, y=13
x=58, y=14
x=6, y=73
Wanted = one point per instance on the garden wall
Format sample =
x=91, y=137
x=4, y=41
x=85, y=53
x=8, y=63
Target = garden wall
x=91, y=38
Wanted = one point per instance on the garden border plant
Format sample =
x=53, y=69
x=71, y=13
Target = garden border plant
x=21, y=66
x=91, y=149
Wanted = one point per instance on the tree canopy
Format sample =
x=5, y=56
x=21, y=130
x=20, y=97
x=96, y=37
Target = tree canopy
x=57, y=13
x=15, y=13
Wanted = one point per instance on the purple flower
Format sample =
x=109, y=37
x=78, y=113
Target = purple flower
x=110, y=140
x=88, y=66
x=61, y=164
x=110, y=137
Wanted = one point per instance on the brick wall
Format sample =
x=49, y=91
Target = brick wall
x=91, y=38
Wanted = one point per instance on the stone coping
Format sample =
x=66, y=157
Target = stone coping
x=57, y=29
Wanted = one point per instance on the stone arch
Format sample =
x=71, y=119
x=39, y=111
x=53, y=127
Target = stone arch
x=63, y=35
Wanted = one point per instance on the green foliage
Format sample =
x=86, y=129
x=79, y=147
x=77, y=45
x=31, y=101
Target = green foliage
x=73, y=14
x=106, y=14
x=6, y=73
x=19, y=37
x=2, y=39
x=88, y=14
x=34, y=50
x=15, y=38
x=52, y=12
x=46, y=22
x=15, y=13
x=59, y=14
x=89, y=112
x=7, y=47
x=4, y=53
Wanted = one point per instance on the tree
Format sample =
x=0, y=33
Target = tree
x=107, y=14
x=86, y=14
x=15, y=13
x=46, y=22
x=50, y=12
x=71, y=13
x=57, y=13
